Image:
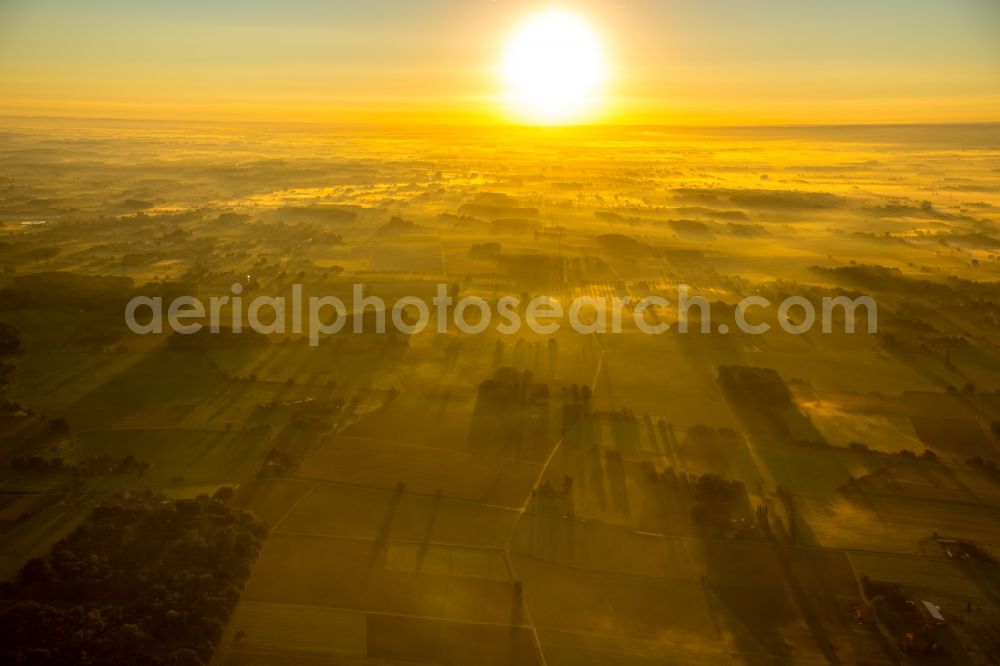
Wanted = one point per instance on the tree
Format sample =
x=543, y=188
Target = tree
x=60, y=426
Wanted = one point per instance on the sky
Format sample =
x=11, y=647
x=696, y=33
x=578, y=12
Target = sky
x=704, y=62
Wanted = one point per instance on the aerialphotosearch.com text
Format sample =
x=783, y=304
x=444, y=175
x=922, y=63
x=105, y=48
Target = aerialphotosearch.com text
x=318, y=316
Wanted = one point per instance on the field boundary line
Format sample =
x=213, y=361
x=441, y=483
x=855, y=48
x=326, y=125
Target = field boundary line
x=386, y=613
x=425, y=447
x=293, y=507
x=409, y=542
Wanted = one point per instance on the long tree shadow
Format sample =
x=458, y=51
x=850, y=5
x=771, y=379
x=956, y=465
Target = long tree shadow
x=385, y=530
x=510, y=417
x=805, y=605
x=761, y=589
x=429, y=531
x=614, y=468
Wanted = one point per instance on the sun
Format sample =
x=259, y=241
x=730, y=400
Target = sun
x=553, y=69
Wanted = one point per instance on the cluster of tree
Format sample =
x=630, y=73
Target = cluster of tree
x=397, y=225
x=575, y=406
x=927, y=454
x=620, y=244
x=333, y=405
x=204, y=339
x=746, y=230
x=455, y=220
x=967, y=389
x=555, y=498
x=495, y=206
x=788, y=502
x=549, y=489
x=6, y=379
x=913, y=455
x=691, y=229
x=762, y=386
x=11, y=345
x=57, y=290
x=964, y=551
x=319, y=215
x=109, y=465
x=717, y=506
x=131, y=259
x=575, y=392
x=525, y=354
x=873, y=277
x=146, y=580
x=613, y=217
x=278, y=463
x=484, y=251
x=11, y=348
x=531, y=267
x=510, y=386
x=92, y=466
x=37, y=464
x=716, y=501
x=990, y=467
x=889, y=593
x=322, y=421
x=901, y=617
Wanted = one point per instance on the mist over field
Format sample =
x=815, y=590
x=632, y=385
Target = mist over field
x=480, y=498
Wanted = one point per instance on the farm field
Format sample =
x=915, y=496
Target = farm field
x=531, y=498
x=358, y=512
x=382, y=464
x=197, y=456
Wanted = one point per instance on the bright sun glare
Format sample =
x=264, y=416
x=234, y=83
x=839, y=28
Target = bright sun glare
x=553, y=68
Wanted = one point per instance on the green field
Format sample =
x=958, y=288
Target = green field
x=193, y=456
x=424, y=470
x=352, y=573
x=366, y=513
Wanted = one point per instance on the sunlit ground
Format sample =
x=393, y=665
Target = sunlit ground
x=417, y=508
